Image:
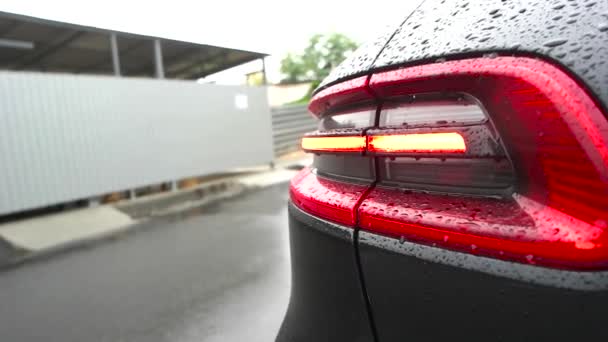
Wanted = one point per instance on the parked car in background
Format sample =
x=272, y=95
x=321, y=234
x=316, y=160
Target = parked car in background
x=459, y=189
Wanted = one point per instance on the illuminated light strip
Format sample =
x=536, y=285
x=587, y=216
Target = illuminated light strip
x=338, y=144
x=417, y=143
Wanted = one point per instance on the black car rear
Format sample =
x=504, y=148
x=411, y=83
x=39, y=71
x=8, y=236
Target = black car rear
x=459, y=188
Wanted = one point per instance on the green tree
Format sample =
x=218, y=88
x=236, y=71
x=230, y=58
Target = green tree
x=323, y=53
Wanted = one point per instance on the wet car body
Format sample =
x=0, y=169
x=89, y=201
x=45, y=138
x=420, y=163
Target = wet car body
x=352, y=284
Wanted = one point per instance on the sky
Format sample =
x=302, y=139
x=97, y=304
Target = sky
x=273, y=27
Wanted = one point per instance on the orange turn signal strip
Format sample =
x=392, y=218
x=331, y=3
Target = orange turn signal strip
x=450, y=142
x=418, y=143
x=337, y=144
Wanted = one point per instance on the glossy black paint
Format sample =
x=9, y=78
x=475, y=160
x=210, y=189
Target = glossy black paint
x=326, y=301
x=573, y=34
x=420, y=300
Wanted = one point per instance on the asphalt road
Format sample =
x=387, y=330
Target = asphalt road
x=215, y=274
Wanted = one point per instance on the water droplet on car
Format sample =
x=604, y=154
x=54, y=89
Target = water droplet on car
x=591, y=4
x=601, y=224
x=555, y=42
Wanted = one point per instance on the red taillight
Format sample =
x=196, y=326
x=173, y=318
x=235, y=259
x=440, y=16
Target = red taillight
x=556, y=210
x=424, y=143
x=518, y=229
x=332, y=200
x=348, y=92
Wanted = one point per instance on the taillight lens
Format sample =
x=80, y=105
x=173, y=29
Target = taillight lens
x=517, y=229
x=448, y=142
x=329, y=199
x=346, y=93
x=505, y=157
x=428, y=110
x=334, y=144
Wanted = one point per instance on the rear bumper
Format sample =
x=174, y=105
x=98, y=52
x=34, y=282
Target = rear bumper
x=326, y=301
x=430, y=294
x=425, y=293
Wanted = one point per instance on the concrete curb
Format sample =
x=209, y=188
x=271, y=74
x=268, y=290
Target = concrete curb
x=164, y=203
x=18, y=257
x=21, y=241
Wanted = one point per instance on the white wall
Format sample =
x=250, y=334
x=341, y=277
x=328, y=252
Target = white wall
x=66, y=137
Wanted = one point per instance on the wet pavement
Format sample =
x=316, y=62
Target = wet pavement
x=220, y=273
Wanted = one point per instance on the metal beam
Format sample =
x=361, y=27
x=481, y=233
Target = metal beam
x=106, y=60
x=49, y=50
x=16, y=44
x=115, y=55
x=224, y=67
x=264, y=80
x=10, y=28
x=158, y=59
x=167, y=61
x=205, y=58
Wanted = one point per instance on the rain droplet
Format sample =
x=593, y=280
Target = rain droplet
x=555, y=42
x=601, y=224
x=591, y=4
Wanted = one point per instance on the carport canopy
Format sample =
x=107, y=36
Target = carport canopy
x=34, y=44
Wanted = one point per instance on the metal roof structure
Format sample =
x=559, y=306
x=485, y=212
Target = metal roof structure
x=34, y=44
